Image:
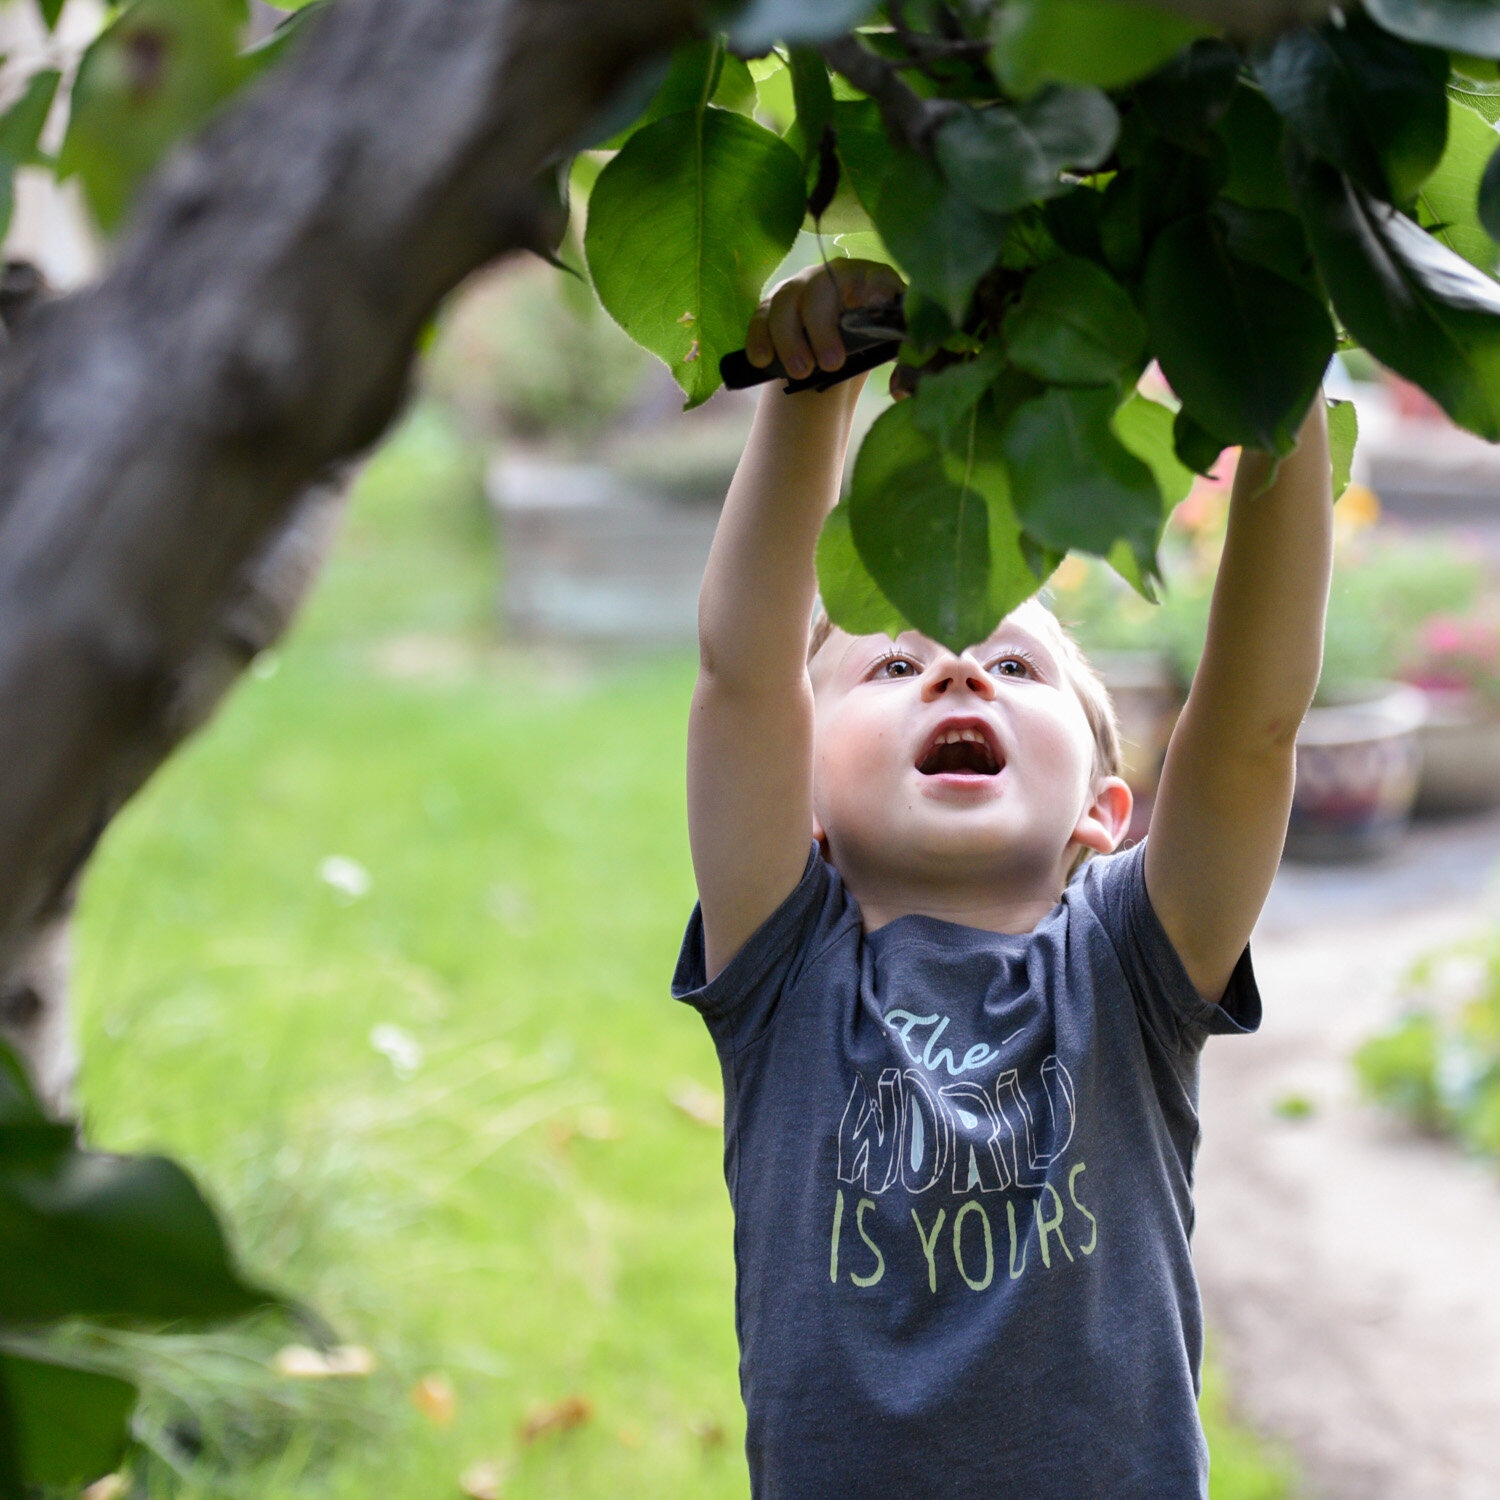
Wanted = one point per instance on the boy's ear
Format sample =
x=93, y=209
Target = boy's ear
x=1106, y=819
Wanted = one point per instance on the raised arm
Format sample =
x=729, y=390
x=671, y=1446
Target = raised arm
x=750, y=734
x=1221, y=811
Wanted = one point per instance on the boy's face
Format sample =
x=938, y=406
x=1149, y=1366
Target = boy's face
x=933, y=767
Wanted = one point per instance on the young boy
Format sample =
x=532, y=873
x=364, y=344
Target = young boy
x=961, y=1087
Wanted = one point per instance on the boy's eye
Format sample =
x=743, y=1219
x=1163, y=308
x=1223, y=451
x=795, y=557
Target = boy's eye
x=895, y=666
x=1011, y=666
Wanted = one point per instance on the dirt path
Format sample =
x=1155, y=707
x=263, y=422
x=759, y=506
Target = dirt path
x=1351, y=1272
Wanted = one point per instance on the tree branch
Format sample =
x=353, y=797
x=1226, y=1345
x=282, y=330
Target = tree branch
x=256, y=329
x=908, y=117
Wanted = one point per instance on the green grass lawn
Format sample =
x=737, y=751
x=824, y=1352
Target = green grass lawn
x=437, y=1107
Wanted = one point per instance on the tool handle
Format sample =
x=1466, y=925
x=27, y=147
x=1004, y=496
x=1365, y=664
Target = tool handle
x=871, y=335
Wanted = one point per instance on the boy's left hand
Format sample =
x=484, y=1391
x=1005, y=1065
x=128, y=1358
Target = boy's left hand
x=798, y=323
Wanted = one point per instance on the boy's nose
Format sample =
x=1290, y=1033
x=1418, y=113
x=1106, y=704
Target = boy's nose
x=948, y=671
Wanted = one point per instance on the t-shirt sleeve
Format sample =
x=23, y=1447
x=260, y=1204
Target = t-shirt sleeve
x=1114, y=888
x=740, y=1001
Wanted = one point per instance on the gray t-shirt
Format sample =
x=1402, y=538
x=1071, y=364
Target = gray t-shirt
x=961, y=1168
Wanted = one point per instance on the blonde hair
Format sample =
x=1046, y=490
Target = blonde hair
x=1088, y=687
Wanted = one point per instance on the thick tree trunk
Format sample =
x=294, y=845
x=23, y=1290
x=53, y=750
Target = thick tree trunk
x=257, y=328
x=34, y=964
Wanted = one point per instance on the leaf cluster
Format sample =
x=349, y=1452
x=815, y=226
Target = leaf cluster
x=154, y=72
x=1073, y=189
x=127, y=1241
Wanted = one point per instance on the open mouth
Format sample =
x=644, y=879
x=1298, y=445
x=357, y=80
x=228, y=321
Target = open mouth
x=960, y=751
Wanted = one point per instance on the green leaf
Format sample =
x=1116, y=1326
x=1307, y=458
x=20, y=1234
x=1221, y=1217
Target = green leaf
x=1073, y=221
x=945, y=399
x=1185, y=99
x=923, y=538
x=684, y=227
x=1252, y=134
x=1413, y=303
x=13, y=1485
x=942, y=241
x=1343, y=434
x=813, y=98
x=1074, y=484
x=1368, y=102
x=1488, y=205
x=51, y=10
x=851, y=597
x=1467, y=67
x=154, y=74
x=121, y=1238
x=21, y=125
x=1075, y=325
x=1482, y=98
x=1244, y=349
x=845, y=214
x=701, y=73
x=19, y=1104
x=26, y=1132
x=71, y=1425
x=736, y=87
x=1001, y=158
x=1175, y=183
x=862, y=244
x=1449, y=200
x=813, y=95
x=935, y=527
x=1103, y=42
x=1197, y=449
x=1457, y=25
x=775, y=103
x=1268, y=238
x=1121, y=236
x=1145, y=428
x=760, y=23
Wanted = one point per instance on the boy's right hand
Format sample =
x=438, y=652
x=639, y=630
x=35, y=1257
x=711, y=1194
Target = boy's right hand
x=798, y=322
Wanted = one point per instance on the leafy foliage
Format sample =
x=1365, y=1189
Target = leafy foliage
x=156, y=71
x=1106, y=42
x=1074, y=189
x=685, y=224
x=1447, y=204
x=119, y=1239
x=1412, y=302
x=1364, y=100
x=20, y=129
x=1439, y=1065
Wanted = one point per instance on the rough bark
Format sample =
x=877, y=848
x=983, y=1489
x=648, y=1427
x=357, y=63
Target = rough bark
x=35, y=963
x=265, y=597
x=256, y=329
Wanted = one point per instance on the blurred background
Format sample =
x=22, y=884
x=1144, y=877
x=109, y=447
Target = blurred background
x=383, y=956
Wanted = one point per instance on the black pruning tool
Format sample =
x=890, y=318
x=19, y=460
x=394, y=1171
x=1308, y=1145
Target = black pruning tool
x=871, y=335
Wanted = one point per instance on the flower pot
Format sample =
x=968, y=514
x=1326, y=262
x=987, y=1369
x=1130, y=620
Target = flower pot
x=1460, y=741
x=1358, y=760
